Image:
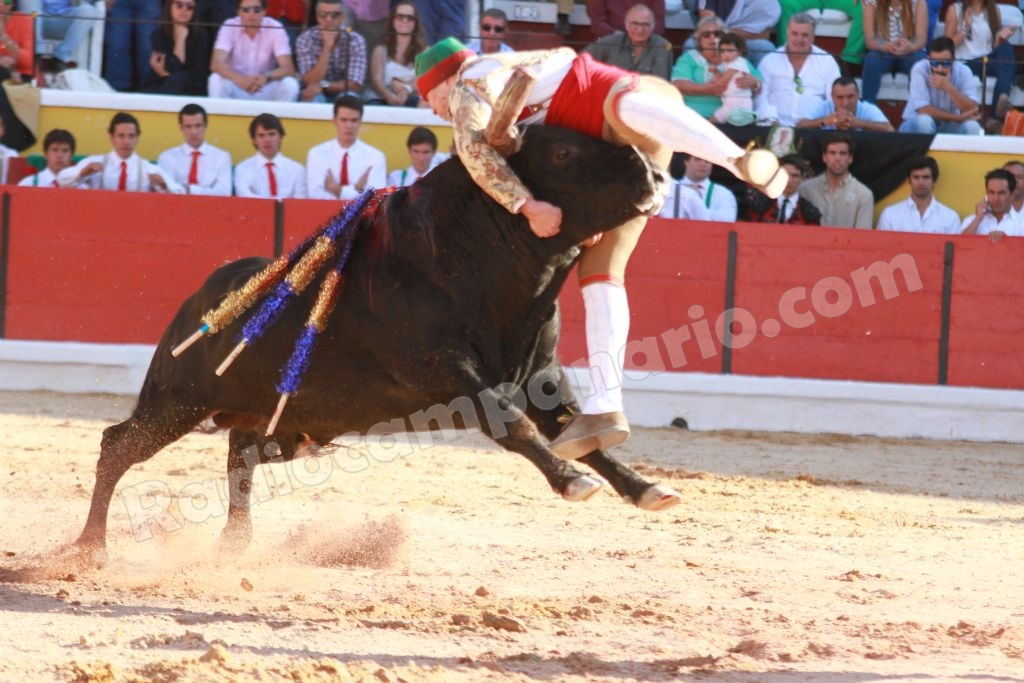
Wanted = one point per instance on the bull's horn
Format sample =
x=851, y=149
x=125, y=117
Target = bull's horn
x=500, y=133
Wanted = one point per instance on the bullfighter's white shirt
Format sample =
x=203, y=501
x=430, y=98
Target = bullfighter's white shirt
x=214, y=169
x=326, y=157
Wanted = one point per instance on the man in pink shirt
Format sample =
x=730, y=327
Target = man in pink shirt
x=252, y=59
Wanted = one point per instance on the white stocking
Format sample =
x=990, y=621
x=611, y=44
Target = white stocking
x=607, y=311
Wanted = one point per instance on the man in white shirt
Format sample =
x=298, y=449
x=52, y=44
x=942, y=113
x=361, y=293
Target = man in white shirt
x=797, y=77
x=720, y=202
x=683, y=202
x=921, y=212
x=58, y=150
x=121, y=169
x=493, y=25
x=422, y=146
x=1016, y=167
x=992, y=215
x=268, y=173
x=197, y=165
x=345, y=166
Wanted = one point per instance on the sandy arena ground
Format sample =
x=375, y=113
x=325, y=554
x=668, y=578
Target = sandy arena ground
x=793, y=558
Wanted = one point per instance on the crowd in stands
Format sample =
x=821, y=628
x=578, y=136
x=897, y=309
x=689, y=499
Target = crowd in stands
x=745, y=63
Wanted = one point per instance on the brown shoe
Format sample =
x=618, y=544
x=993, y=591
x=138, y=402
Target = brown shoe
x=588, y=433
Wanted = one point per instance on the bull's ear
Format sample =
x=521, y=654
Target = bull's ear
x=501, y=133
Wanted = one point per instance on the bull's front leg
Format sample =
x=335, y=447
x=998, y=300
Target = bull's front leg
x=243, y=456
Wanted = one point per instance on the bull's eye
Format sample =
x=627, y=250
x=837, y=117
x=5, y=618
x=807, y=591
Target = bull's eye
x=562, y=155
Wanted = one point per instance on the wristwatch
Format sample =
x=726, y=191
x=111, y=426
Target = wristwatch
x=324, y=85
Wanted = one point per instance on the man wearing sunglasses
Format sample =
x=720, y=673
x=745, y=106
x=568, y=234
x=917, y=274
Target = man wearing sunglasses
x=331, y=57
x=636, y=49
x=252, y=59
x=493, y=27
x=943, y=95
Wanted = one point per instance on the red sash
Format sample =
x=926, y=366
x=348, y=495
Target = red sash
x=578, y=104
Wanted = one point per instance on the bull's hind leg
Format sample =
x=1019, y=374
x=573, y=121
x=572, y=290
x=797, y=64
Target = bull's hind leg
x=135, y=440
x=551, y=388
x=244, y=453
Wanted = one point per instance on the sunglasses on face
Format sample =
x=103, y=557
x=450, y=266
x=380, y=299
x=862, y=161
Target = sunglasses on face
x=714, y=34
x=942, y=63
x=251, y=10
x=184, y=5
x=492, y=27
x=328, y=15
x=405, y=17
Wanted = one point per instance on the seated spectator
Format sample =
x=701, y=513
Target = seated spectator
x=752, y=20
x=16, y=58
x=332, y=59
x=422, y=147
x=843, y=200
x=343, y=167
x=737, y=102
x=719, y=200
x=126, y=42
x=1016, y=168
x=58, y=150
x=895, y=32
x=268, y=173
x=608, y=16
x=68, y=21
x=696, y=73
x=197, y=165
x=393, y=67
x=921, y=211
x=943, y=95
x=993, y=215
x=636, y=49
x=846, y=111
x=493, y=25
x=976, y=31
x=683, y=202
x=790, y=208
x=853, y=50
x=120, y=169
x=181, y=52
x=797, y=76
x=252, y=59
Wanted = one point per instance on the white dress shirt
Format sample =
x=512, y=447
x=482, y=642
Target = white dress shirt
x=253, y=180
x=6, y=153
x=406, y=177
x=327, y=157
x=790, y=203
x=779, y=99
x=1011, y=224
x=138, y=172
x=720, y=202
x=45, y=178
x=214, y=170
x=904, y=217
x=683, y=202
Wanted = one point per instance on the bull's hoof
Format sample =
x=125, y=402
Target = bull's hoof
x=657, y=497
x=582, y=488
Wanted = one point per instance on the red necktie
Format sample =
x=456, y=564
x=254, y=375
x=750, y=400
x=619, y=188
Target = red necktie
x=122, y=183
x=344, y=169
x=271, y=178
x=193, y=174
x=55, y=183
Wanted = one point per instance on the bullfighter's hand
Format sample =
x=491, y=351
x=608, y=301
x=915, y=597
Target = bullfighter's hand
x=361, y=183
x=544, y=218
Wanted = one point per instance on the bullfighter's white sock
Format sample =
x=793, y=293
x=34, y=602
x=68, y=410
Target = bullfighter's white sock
x=607, y=312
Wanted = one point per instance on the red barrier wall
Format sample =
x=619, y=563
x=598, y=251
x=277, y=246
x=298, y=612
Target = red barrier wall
x=114, y=267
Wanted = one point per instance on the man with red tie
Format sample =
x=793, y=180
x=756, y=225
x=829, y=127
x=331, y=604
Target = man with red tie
x=345, y=166
x=196, y=164
x=268, y=173
x=120, y=169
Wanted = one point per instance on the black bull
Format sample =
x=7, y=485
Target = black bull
x=450, y=302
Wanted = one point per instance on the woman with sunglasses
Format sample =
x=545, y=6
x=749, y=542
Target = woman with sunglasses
x=393, y=64
x=977, y=32
x=181, y=52
x=696, y=73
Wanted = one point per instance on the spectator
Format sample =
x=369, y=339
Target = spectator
x=943, y=95
x=1016, y=168
x=332, y=59
x=977, y=33
x=752, y=20
x=846, y=111
x=127, y=33
x=493, y=26
x=843, y=200
x=683, y=202
x=197, y=165
x=921, y=211
x=720, y=202
x=895, y=32
x=608, y=16
x=268, y=173
x=58, y=150
x=422, y=146
x=797, y=76
x=345, y=166
x=393, y=68
x=291, y=14
x=636, y=49
x=442, y=19
x=696, y=73
x=252, y=59
x=16, y=58
x=68, y=21
x=120, y=169
x=371, y=20
x=790, y=208
x=180, y=61
x=853, y=50
x=737, y=102
x=993, y=216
